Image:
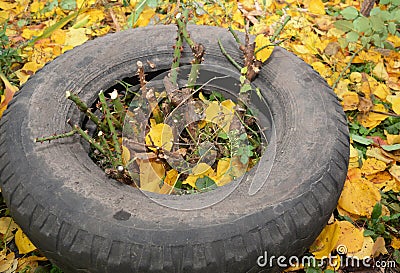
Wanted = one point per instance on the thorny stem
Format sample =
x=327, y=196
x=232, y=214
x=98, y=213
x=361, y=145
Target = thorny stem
x=53, y=137
x=279, y=29
x=86, y=137
x=197, y=49
x=347, y=67
x=106, y=147
x=85, y=109
x=233, y=62
x=177, y=59
x=235, y=36
x=113, y=133
x=118, y=106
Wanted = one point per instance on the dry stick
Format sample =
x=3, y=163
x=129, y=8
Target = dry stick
x=149, y=95
x=53, y=137
x=387, y=114
x=347, y=67
x=113, y=133
x=85, y=109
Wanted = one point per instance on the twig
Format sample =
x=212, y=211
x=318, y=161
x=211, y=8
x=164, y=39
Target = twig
x=113, y=133
x=55, y=136
x=233, y=62
x=85, y=109
x=347, y=67
x=387, y=114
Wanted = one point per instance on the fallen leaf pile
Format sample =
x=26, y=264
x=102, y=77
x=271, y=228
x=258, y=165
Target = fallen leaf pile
x=367, y=218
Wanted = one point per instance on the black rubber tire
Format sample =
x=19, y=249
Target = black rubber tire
x=86, y=222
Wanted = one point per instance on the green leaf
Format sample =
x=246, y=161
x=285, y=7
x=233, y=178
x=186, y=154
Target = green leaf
x=349, y=13
x=138, y=10
x=392, y=28
x=48, y=31
x=389, y=148
x=365, y=40
x=68, y=4
x=205, y=183
x=377, y=23
x=343, y=25
x=222, y=135
x=377, y=40
x=245, y=88
x=384, y=2
x=152, y=3
x=361, y=24
x=376, y=211
x=343, y=42
x=352, y=36
x=361, y=140
x=368, y=232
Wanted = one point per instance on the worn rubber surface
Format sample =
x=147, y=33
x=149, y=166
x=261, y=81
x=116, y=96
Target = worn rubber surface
x=85, y=222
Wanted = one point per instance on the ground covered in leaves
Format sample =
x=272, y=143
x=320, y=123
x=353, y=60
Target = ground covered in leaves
x=357, y=54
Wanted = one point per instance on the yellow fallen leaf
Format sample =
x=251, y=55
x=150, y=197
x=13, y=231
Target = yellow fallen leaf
x=355, y=77
x=300, y=49
x=359, y=197
x=396, y=105
x=262, y=41
x=365, y=251
x=126, y=155
x=344, y=212
x=8, y=263
x=30, y=262
x=160, y=135
x=372, y=166
x=224, y=173
x=326, y=241
x=316, y=7
x=371, y=120
x=75, y=37
x=220, y=113
x=350, y=101
x=145, y=17
x=23, y=243
x=199, y=171
x=395, y=243
x=8, y=93
x=395, y=171
x=7, y=225
x=392, y=139
x=379, y=247
x=171, y=177
x=379, y=154
x=151, y=175
x=350, y=237
x=58, y=36
x=380, y=71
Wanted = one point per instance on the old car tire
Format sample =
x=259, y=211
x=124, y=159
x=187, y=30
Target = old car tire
x=86, y=222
